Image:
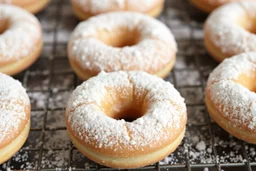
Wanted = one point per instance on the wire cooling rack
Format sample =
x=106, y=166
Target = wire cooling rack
x=50, y=81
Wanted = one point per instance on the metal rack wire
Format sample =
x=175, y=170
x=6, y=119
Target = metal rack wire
x=50, y=80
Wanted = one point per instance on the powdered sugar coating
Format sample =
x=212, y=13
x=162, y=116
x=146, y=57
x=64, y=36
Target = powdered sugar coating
x=224, y=31
x=13, y=99
x=102, y=6
x=234, y=101
x=155, y=49
x=21, y=36
x=165, y=110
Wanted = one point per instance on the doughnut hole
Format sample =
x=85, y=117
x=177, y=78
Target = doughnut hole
x=248, y=82
x=3, y=26
x=120, y=37
x=123, y=104
x=249, y=26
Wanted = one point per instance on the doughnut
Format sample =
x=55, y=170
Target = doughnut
x=15, y=117
x=126, y=119
x=210, y=5
x=230, y=96
x=20, y=39
x=230, y=29
x=121, y=41
x=84, y=9
x=33, y=6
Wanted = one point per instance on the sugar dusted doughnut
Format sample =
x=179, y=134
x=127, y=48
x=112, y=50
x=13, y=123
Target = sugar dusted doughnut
x=230, y=96
x=210, y=5
x=155, y=116
x=121, y=41
x=20, y=39
x=14, y=117
x=32, y=6
x=84, y=9
x=230, y=29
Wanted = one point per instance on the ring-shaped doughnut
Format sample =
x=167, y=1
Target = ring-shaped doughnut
x=230, y=30
x=121, y=41
x=210, y=5
x=84, y=9
x=33, y=6
x=126, y=119
x=230, y=96
x=20, y=39
x=15, y=117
